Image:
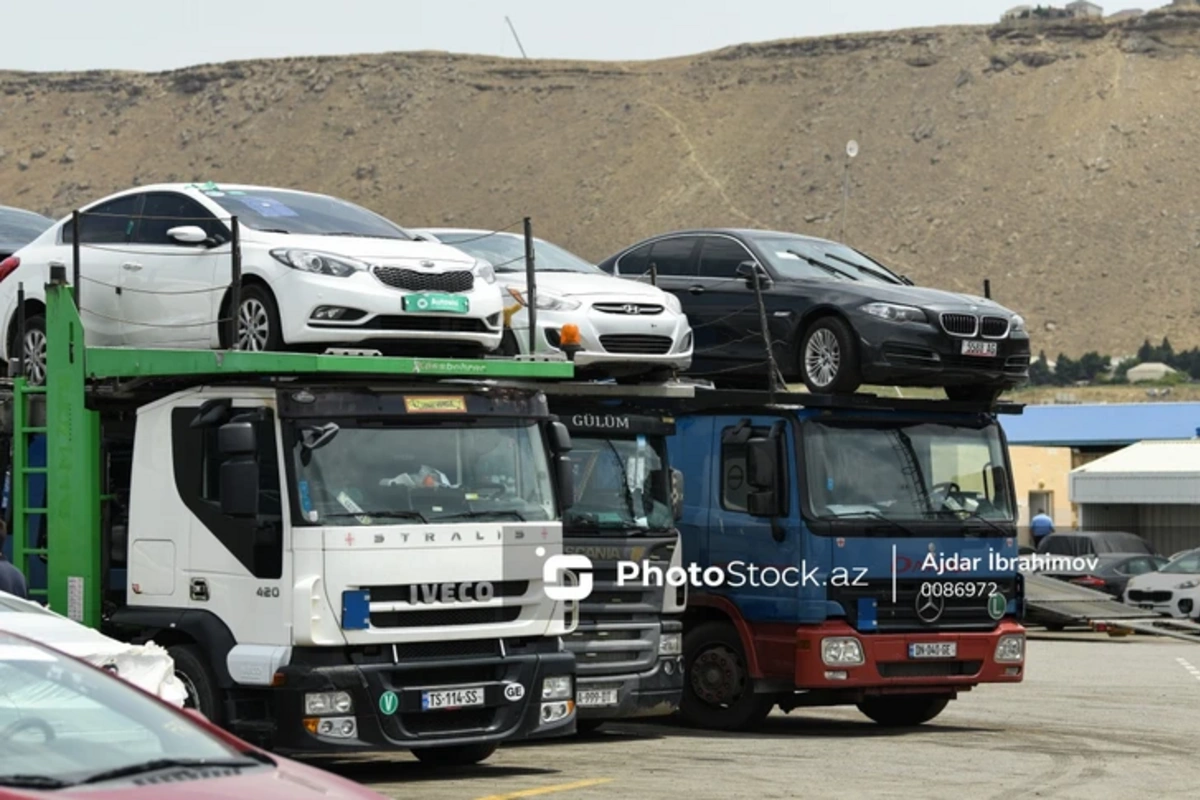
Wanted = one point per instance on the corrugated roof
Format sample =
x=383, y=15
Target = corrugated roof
x=1101, y=425
x=1143, y=473
x=1157, y=457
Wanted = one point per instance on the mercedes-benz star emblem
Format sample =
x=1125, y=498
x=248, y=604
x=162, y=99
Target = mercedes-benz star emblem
x=930, y=608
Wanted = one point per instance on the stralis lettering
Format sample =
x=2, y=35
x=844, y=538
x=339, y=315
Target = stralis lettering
x=455, y=536
x=606, y=421
x=480, y=592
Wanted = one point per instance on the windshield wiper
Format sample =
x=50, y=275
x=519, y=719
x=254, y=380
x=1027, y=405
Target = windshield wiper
x=33, y=782
x=363, y=235
x=821, y=265
x=504, y=512
x=881, y=517
x=965, y=514
x=168, y=763
x=400, y=514
x=272, y=230
x=881, y=275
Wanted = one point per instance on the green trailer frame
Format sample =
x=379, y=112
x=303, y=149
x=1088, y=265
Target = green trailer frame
x=74, y=583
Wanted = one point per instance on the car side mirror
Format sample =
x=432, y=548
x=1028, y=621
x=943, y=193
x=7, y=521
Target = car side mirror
x=747, y=270
x=677, y=494
x=188, y=234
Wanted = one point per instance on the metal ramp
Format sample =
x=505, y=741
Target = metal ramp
x=1058, y=604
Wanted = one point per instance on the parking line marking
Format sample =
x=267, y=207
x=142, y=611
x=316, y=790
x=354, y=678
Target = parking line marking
x=1193, y=671
x=558, y=787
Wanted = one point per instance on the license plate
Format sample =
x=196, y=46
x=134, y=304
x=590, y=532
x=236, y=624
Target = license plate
x=933, y=650
x=596, y=697
x=1147, y=606
x=436, y=303
x=985, y=349
x=451, y=698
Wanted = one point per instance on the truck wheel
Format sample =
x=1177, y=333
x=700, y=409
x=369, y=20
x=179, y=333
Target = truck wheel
x=459, y=755
x=192, y=670
x=718, y=692
x=903, y=711
x=586, y=727
x=828, y=358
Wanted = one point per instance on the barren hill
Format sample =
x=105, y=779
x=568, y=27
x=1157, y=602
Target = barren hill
x=1062, y=161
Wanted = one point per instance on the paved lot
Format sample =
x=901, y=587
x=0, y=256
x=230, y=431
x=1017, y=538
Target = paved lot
x=1095, y=717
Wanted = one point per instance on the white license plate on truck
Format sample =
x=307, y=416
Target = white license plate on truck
x=590, y=698
x=983, y=349
x=933, y=650
x=451, y=698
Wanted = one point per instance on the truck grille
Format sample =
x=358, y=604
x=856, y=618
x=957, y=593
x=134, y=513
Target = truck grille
x=634, y=343
x=402, y=592
x=958, y=612
x=931, y=669
x=468, y=720
x=960, y=324
x=413, y=281
x=444, y=616
x=993, y=327
x=1142, y=596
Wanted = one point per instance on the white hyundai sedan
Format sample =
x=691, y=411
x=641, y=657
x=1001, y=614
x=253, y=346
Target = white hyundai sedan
x=628, y=329
x=155, y=271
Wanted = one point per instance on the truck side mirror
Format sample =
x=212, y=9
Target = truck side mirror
x=762, y=473
x=560, y=438
x=239, y=470
x=677, y=494
x=566, y=483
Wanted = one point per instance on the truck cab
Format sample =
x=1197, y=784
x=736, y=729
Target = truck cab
x=853, y=553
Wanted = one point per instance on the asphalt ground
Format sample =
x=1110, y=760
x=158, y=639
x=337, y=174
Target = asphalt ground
x=1095, y=717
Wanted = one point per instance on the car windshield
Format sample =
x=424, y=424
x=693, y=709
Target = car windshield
x=63, y=721
x=506, y=253
x=390, y=475
x=1186, y=564
x=620, y=485
x=282, y=211
x=916, y=471
x=21, y=227
x=801, y=257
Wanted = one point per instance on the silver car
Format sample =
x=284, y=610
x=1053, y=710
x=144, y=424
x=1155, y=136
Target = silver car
x=627, y=328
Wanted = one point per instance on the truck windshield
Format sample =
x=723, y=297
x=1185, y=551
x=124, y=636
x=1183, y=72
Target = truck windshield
x=917, y=471
x=350, y=474
x=620, y=485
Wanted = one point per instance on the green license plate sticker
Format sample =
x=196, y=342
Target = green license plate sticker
x=437, y=303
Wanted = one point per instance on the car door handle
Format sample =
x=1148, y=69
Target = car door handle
x=132, y=266
x=696, y=289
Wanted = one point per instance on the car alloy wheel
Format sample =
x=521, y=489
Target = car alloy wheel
x=254, y=325
x=822, y=357
x=35, y=356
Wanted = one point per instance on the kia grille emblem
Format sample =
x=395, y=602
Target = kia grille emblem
x=929, y=609
x=428, y=264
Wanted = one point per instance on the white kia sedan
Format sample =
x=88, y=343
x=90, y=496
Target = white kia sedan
x=317, y=271
x=628, y=329
x=1173, y=590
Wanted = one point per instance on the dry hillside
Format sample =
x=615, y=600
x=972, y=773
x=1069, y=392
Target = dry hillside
x=1060, y=161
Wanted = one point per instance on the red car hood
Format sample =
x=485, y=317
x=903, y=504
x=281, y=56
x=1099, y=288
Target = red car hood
x=290, y=781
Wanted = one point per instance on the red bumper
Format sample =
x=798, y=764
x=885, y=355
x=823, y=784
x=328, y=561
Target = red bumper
x=888, y=667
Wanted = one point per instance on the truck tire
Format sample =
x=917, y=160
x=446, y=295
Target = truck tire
x=193, y=671
x=903, y=711
x=459, y=755
x=718, y=692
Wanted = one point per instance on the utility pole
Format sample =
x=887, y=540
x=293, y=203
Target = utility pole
x=851, y=152
x=518, y=38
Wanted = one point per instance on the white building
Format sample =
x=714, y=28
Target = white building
x=1149, y=371
x=1015, y=12
x=1151, y=488
x=1082, y=8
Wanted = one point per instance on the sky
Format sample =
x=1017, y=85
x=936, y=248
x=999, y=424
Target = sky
x=153, y=35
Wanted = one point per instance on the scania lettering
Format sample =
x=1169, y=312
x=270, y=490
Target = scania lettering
x=341, y=553
x=894, y=520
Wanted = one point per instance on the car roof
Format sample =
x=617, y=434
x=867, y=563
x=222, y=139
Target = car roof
x=24, y=212
x=201, y=189
x=739, y=232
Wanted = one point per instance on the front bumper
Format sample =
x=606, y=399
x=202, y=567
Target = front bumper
x=887, y=667
x=613, y=344
x=655, y=693
x=1178, y=605
x=380, y=725
x=376, y=314
x=923, y=355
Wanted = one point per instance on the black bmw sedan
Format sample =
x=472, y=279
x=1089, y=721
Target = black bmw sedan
x=837, y=318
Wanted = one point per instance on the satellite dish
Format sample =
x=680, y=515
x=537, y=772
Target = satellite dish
x=852, y=148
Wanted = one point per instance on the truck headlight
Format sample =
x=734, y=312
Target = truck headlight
x=895, y=313
x=842, y=651
x=318, y=263
x=670, y=644
x=1010, y=649
x=557, y=687
x=328, y=703
x=484, y=271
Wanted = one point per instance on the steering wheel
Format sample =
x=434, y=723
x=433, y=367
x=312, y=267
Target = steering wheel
x=28, y=722
x=939, y=493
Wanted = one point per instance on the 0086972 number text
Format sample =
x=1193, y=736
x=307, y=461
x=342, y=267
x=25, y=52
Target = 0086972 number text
x=959, y=589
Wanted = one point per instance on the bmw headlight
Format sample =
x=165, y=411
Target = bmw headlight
x=672, y=303
x=484, y=271
x=1018, y=323
x=895, y=313
x=318, y=263
x=546, y=301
